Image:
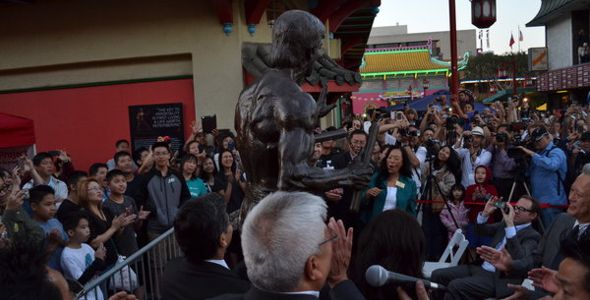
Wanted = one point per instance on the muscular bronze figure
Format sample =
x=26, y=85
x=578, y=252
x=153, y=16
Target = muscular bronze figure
x=275, y=118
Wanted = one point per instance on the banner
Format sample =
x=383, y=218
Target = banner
x=148, y=122
x=9, y=156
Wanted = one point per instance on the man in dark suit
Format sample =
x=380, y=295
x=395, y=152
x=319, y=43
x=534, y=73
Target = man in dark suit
x=547, y=253
x=203, y=233
x=290, y=253
x=339, y=199
x=515, y=234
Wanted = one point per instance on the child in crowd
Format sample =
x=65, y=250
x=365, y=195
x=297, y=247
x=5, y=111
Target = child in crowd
x=480, y=191
x=119, y=203
x=458, y=211
x=43, y=205
x=79, y=261
x=476, y=197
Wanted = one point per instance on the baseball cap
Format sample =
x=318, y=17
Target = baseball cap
x=477, y=131
x=539, y=133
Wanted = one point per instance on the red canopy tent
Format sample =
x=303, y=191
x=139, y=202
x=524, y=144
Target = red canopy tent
x=17, y=138
x=16, y=131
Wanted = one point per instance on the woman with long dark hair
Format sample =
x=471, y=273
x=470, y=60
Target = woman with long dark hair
x=393, y=240
x=231, y=178
x=446, y=171
x=208, y=173
x=391, y=187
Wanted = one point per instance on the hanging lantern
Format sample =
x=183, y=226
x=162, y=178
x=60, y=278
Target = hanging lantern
x=483, y=13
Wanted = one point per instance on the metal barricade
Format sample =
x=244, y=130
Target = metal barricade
x=139, y=273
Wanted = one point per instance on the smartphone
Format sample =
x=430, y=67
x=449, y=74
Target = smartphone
x=502, y=205
x=209, y=123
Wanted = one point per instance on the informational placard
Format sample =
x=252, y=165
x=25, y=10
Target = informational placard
x=538, y=59
x=150, y=122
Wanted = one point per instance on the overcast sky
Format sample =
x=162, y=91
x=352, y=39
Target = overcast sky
x=433, y=15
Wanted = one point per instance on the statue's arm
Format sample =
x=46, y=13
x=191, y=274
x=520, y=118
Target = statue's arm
x=295, y=148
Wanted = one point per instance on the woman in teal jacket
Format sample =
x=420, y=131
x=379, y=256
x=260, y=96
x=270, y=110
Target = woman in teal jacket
x=391, y=187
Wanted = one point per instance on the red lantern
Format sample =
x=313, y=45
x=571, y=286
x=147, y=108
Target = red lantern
x=483, y=13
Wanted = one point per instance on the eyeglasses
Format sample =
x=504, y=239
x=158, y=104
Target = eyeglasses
x=358, y=143
x=521, y=209
x=333, y=238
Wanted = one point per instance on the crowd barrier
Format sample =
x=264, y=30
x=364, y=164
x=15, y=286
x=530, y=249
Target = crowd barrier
x=139, y=273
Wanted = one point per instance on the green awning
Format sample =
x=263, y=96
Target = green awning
x=504, y=94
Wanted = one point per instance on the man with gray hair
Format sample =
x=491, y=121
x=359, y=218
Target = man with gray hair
x=546, y=258
x=290, y=253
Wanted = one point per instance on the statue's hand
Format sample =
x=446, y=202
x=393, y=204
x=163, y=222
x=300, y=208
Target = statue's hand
x=360, y=175
x=322, y=107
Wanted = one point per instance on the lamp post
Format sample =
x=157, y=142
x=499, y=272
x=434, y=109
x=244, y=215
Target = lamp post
x=454, y=69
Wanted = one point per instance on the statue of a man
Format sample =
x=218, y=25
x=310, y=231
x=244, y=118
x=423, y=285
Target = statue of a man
x=275, y=118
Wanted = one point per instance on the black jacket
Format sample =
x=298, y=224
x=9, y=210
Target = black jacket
x=163, y=196
x=185, y=280
x=345, y=290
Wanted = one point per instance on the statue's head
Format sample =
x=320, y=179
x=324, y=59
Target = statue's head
x=296, y=41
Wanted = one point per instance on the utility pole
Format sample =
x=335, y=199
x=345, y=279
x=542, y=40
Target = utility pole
x=454, y=69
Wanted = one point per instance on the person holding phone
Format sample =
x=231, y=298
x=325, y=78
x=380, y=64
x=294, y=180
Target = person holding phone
x=514, y=233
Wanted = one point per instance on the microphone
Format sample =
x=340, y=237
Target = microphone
x=378, y=276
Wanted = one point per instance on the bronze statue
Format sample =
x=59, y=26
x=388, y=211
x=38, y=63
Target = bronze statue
x=275, y=118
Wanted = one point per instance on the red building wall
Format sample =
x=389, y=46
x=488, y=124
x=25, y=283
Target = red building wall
x=87, y=121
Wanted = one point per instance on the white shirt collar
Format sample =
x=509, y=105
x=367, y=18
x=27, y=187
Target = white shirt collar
x=220, y=262
x=312, y=293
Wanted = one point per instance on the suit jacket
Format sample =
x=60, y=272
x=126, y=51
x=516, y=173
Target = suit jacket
x=521, y=245
x=345, y=290
x=185, y=280
x=547, y=252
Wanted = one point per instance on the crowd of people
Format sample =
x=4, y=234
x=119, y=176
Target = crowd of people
x=501, y=175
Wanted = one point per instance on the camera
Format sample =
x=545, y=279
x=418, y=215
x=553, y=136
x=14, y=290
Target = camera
x=501, y=137
x=467, y=141
x=451, y=122
x=432, y=147
x=514, y=152
x=403, y=132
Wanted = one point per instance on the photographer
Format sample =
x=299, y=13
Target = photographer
x=579, y=155
x=417, y=153
x=472, y=154
x=502, y=164
x=547, y=174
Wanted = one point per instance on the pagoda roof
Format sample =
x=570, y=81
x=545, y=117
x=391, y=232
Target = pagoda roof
x=400, y=61
x=552, y=9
